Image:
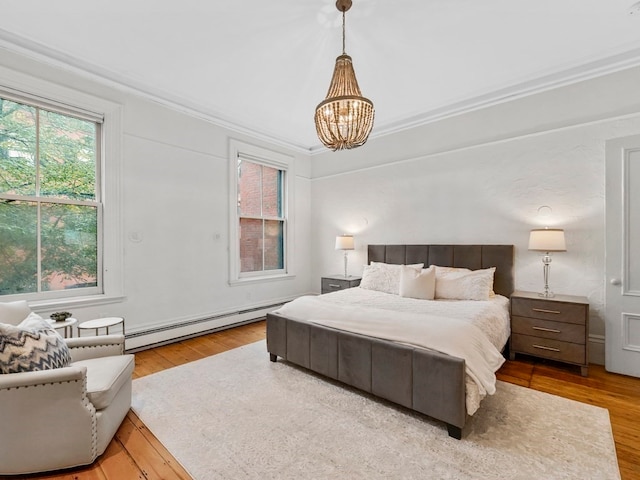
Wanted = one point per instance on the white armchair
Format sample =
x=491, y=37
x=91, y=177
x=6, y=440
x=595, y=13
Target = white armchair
x=63, y=417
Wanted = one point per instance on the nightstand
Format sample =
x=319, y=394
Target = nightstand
x=334, y=283
x=555, y=328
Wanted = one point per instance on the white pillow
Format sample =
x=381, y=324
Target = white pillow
x=384, y=277
x=14, y=312
x=418, y=284
x=32, y=345
x=464, y=284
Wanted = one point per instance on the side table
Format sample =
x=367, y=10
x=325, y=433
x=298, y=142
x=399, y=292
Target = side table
x=66, y=325
x=556, y=328
x=99, y=323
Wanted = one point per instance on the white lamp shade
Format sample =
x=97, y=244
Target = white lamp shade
x=547, y=240
x=344, y=242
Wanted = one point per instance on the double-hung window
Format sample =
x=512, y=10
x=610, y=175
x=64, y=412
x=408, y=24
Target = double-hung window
x=50, y=201
x=260, y=221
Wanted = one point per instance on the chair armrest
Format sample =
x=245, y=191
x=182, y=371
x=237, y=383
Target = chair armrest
x=83, y=348
x=48, y=421
x=42, y=378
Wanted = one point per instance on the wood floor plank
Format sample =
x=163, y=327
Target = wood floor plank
x=146, y=457
x=178, y=353
x=155, y=443
x=116, y=462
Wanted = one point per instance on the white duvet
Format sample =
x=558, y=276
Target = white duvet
x=473, y=330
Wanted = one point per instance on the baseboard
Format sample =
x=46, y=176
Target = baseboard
x=180, y=329
x=596, y=349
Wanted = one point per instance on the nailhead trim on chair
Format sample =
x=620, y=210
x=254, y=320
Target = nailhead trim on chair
x=94, y=419
x=39, y=385
x=97, y=345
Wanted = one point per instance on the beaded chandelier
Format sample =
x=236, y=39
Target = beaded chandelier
x=345, y=118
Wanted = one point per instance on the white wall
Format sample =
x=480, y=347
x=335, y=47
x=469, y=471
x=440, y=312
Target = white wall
x=175, y=217
x=482, y=178
x=476, y=177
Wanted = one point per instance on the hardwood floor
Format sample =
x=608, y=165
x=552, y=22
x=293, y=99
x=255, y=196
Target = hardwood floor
x=135, y=453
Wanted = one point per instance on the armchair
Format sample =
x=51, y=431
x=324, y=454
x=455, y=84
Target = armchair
x=63, y=417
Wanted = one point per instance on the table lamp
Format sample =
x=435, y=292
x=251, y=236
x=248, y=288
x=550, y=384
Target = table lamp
x=345, y=242
x=547, y=240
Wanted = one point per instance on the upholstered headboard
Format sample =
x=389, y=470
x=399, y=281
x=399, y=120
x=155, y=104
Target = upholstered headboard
x=473, y=257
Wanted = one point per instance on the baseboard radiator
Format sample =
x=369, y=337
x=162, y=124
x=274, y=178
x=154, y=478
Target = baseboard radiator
x=178, y=331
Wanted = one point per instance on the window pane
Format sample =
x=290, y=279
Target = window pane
x=67, y=157
x=273, y=245
x=250, y=245
x=249, y=188
x=18, y=247
x=69, y=246
x=271, y=192
x=17, y=148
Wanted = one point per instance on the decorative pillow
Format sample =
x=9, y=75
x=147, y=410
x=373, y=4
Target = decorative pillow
x=32, y=345
x=458, y=284
x=418, y=284
x=14, y=312
x=384, y=277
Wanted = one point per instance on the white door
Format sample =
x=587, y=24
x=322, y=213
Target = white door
x=622, y=311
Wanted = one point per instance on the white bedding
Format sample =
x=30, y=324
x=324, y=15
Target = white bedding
x=434, y=324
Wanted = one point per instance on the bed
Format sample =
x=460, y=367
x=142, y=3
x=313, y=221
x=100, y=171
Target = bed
x=425, y=380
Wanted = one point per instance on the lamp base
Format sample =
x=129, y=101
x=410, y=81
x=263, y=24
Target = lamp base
x=547, y=294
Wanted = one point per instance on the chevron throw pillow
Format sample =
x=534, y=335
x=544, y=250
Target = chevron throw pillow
x=32, y=345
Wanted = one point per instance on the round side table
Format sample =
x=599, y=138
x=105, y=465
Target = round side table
x=99, y=323
x=67, y=325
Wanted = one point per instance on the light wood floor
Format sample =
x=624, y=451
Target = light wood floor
x=135, y=453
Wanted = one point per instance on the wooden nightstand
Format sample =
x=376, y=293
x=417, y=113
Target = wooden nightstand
x=556, y=328
x=333, y=283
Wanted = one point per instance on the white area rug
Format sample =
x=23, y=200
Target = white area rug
x=237, y=415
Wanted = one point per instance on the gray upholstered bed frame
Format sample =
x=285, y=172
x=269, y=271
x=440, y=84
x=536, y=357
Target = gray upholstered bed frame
x=423, y=380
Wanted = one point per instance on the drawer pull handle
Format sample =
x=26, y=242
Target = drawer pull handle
x=334, y=285
x=542, y=310
x=542, y=329
x=541, y=347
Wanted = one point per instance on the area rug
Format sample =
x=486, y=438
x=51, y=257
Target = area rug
x=236, y=415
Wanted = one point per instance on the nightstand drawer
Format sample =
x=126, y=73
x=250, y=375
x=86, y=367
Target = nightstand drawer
x=566, y=332
x=549, y=310
x=547, y=348
x=331, y=284
x=335, y=283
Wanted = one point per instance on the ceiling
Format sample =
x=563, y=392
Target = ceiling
x=263, y=66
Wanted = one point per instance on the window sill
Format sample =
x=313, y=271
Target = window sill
x=261, y=279
x=68, y=303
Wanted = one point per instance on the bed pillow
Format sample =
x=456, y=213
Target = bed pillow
x=419, y=284
x=464, y=284
x=384, y=277
x=31, y=345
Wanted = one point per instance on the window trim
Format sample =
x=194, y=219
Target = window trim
x=48, y=95
x=269, y=158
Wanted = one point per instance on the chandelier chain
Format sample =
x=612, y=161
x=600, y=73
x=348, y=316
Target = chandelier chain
x=343, y=35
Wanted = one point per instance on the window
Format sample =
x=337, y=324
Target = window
x=260, y=221
x=260, y=216
x=50, y=210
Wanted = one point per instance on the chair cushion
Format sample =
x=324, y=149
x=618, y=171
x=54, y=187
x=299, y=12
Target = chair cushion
x=105, y=377
x=32, y=345
x=14, y=312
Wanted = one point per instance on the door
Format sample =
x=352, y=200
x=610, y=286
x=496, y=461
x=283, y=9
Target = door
x=622, y=240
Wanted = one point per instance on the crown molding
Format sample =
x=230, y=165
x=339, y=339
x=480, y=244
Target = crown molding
x=562, y=77
x=47, y=55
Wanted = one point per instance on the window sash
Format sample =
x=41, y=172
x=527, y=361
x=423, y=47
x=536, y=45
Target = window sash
x=263, y=241
x=240, y=151
x=58, y=108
